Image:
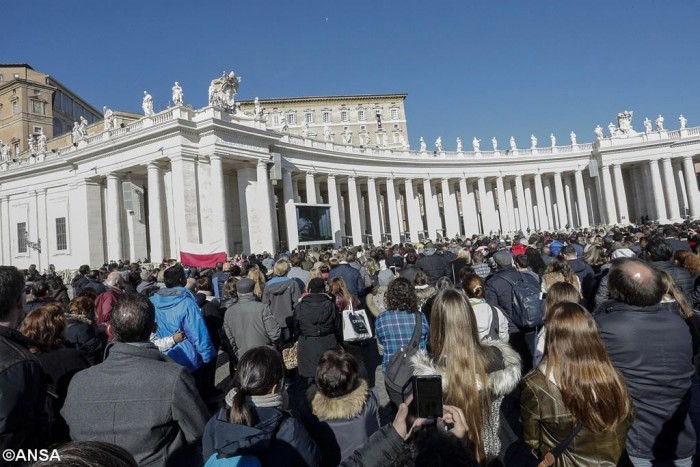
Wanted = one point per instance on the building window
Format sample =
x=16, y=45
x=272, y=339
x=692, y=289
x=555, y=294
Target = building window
x=309, y=117
x=37, y=107
x=276, y=119
x=61, y=236
x=363, y=128
x=378, y=112
x=361, y=115
x=292, y=119
x=344, y=116
x=394, y=114
x=21, y=237
x=326, y=117
x=37, y=129
x=15, y=107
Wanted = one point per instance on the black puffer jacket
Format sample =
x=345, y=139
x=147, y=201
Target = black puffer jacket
x=681, y=276
x=652, y=348
x=434, y=266
x=317, y=322
x=499, y=292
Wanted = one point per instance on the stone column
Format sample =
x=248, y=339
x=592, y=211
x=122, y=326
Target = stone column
x=431, y=210
x=114, y=218
x=155, y=213
x=691, y=186
x=657, y=190
x=502, y=206
x=571, y=218
x=621, y=195
x=394, y=226
x=218, y=199
x=263, y=231
x=373, y=201
x=246, y=197
x=355, y=225
x=290, y=212
x=483, y=206
x=43, y=229
x=608, y=193
x=522, y=204
x=680, y=188
x=581, y=200
x=510, y=206
x=415, y=223
x=674, y=214
x=5, y=248
x=561, y=202
x=492, y=215
x=310, y=188
x=295, y=191
x=185, y=203
x=532, y=221
x=449, y=204
x=334, y=201
x=548, y=204
x=541, y=209
x=469, y=212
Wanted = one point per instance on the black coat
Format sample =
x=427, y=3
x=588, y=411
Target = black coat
x=81, y=334
x=652, y=348
x=434, y=266
x=499, y=292
x=681, y=277
x=316, y=322
x=23, y=389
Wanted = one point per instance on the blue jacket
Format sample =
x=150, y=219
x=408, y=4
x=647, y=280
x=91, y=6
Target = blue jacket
x=351, y=276
x=177, y=309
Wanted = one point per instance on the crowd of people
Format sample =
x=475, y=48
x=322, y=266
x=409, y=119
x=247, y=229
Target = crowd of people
x=579, y=347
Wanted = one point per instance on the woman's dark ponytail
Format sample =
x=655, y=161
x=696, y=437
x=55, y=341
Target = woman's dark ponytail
x=240, y=412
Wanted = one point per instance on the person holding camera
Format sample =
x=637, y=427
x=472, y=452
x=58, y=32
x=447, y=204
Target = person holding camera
x=476, y=374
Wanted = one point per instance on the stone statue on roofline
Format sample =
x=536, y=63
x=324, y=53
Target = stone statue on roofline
x=660, y=123
x=624, y=123
x=327, y=135
x=438, y=144
x=572, y=135
x=494, y=143
x=598, y=132
x=178, y=95
x=682, y=121
x=83, y=127
x=513, y=146
x=553, y=139
x=258, y=110
x=423, y=146
x=147, y=104
x=75, y=133
x=647, y=125
x=459, y=144
x=108, y=118
x=476, y=144
x=31, y=142
x=41, y=142
x=533, y=142
x=222, y=91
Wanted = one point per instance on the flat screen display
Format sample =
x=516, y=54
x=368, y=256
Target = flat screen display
x=314, y=224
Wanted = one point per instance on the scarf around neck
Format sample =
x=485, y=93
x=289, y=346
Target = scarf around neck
x=279, y=400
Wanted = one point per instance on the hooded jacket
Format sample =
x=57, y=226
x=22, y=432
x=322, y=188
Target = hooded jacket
x=585, y=275
x=503, y=368
x=281, y=293
x=177, y=309
x=344, y=423
x=316, y=323
x=275, y=439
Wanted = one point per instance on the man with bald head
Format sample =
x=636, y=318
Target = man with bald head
x=114, y=285
x=650, y=344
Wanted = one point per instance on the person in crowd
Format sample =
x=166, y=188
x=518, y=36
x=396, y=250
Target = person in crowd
x=81, y=280
x=375, y=299
x=33, y=274
x=582, y=270
x=490, y=320
x=350, y=275
x=81, y=332
x=317, y=323
x=22, y=383
x=45, y=326
x=341, y=294
x=148, y=284
x=372, y=267
x=38, y=294
x=58, y=291
x=396, y=325
x=213, y=314
x=395, y=259
x=649, y=343
x=353, y=259
x=255, y=422
x=297, y=271
x=424, y=292
x=259, y=278
x=480, y=265
x=137, y=398
x=177, y=310
x=534, y=261
x=347, y=411
x=689, y=261
x=280, y=294
x=576, y=383
x=558, y=292
x=89, y=454
x=410, y=270
x=249, y=323
x=220, y=279
x=660, y=255
x=522, y=264
x=464, y=260
x=559, y=270
x=106, y=300
x=499, y=292
x=434, y=265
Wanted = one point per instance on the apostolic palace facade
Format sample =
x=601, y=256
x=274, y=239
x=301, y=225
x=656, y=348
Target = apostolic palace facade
x=221, y=178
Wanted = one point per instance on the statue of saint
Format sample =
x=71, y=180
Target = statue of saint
x=513, y=147
x=108, y=118
x=402, y=141
x=423, y=146
x=147, y=104
x=364, y=139
x=598, y=132
x=347, y=137
x=612, y=129
x=305, y=130
x=660, y=123
x=572, y=135
x=459, y=144
x=647, y=125
x=41, y=140
x=75, y=133
x=494, y=142
x=476, y=144
x=553, y=139
x=683, y=121
x=83, y=127
x=438, y=144
x=327, y=137
x=258, y=111
x=533, y=142
x=177, y=94
x=31, y=143
x=4, y=152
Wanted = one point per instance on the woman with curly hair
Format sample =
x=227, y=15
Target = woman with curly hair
x=559, y=270
x=396, y=325
x=81, y=331
x=45, y=326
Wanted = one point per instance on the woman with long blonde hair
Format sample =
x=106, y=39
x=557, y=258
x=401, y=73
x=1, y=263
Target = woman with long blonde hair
x=258, y=277
x=576, y=382
x=475, y=374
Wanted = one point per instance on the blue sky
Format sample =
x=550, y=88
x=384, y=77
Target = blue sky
x=470, y=68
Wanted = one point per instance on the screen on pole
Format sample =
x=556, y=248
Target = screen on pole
x=314, y=223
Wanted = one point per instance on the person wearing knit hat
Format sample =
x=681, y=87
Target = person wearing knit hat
x=316, y=323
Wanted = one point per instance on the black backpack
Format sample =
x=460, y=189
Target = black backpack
x=527, y=310
x=400, y=370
